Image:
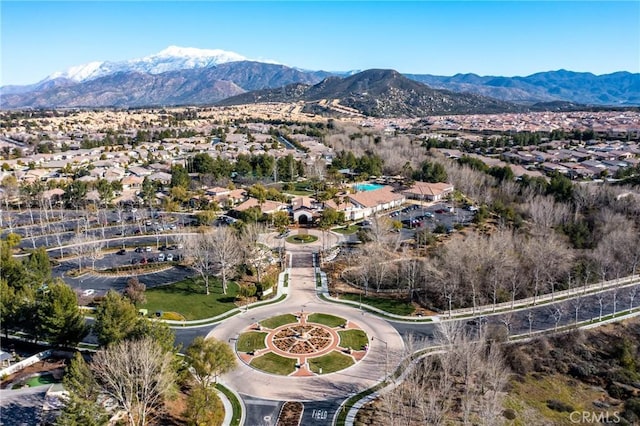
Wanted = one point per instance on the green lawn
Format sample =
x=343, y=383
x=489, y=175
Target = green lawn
x=354, y=339
x=298, y=192
x=235, y=404
x=275, y=364
x=45, y=379
x=326, y=319
x=351, y=229
x=250, y=341
x=187, y=297
x=398, y=307
x=275, y=322
x=302, y=239
x=331, y=362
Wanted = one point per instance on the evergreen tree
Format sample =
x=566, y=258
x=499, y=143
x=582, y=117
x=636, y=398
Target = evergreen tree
x=81, y=407
x=58, y=317
x=116, y=319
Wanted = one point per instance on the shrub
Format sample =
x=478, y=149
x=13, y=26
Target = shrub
x=509, y=414
x=582, y=370
x=632, y=410
x=559, y=406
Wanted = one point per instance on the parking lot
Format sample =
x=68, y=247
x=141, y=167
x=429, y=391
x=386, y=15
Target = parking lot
x=420, y=217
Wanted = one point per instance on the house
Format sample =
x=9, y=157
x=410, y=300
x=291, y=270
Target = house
x=113, y=174
x=267, y=207
x=140, y=171
x=230, y=197
x=162, y=177
x=428, y=191
x=132, y=182
x=304, y=209
x=368, y=203
x=553, y=167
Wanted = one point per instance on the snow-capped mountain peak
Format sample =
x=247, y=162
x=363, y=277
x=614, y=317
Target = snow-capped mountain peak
x=173, y=58
x=220, y=56
x=77, y=73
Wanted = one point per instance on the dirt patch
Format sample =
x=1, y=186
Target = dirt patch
x=47, y=365
x=174, y=410
x=291, y=414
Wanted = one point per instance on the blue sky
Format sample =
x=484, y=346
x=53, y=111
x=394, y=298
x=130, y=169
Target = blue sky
x=487, y=38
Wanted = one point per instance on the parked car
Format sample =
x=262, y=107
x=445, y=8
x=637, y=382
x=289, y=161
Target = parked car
x=147, y=248
x=135, y=260
x=161, y=257
x=121, y=251
x=170, y=257
x=284, y=234
x=139, y=250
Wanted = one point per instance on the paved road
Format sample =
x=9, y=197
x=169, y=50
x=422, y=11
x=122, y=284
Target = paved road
x=22, y=406
x=362, y=375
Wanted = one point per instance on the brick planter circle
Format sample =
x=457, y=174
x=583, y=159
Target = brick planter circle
x=302, y=341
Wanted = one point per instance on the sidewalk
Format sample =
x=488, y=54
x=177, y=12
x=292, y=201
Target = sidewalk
x=517, y=305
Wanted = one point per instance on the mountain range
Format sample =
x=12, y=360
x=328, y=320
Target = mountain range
x=189, y=76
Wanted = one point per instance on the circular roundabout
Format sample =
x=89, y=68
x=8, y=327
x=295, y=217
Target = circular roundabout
x=302, y=239
x=302, y=344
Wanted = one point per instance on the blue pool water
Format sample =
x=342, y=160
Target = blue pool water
x=367, y=186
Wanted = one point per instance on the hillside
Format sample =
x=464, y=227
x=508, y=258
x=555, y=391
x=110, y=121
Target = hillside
x=616, y=89
x=380, y=93
x=196, y=86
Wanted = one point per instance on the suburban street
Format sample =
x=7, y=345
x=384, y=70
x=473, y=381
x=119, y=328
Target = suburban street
x=263, y=393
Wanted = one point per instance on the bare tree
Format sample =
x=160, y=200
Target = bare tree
x=556, y=313
x=633, y=291
x=198, y=249
x=226, y=252
x=135, y=291
x=254, y=253
x=93, y=250
x=78, y=246
x=375, y=264
x=137, y=375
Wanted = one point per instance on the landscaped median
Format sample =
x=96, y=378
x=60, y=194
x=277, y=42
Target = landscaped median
x=378, y=312
x=186, y=298
x=236, y=405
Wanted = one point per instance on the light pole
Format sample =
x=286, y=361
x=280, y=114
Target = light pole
x=386, y=356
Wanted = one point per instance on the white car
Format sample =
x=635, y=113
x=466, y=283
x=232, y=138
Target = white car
x=170, y=257
x=147, y=248
x=88, y=292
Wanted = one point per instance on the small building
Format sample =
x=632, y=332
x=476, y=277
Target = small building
x=429, y=191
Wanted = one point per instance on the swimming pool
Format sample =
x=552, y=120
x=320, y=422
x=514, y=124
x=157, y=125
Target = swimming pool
x=367, y=186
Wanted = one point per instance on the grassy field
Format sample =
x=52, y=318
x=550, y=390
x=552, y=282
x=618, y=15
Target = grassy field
x=188, y=299
x=326, y=319
x=397, y=307
x=331, y=362
x=250, y=341
x=354, y=339
x=351, y=229
x=302, y=239
x=275, y=322
x=529, y=399
x=274, y=363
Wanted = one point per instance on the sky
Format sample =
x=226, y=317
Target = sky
x=505, y=38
